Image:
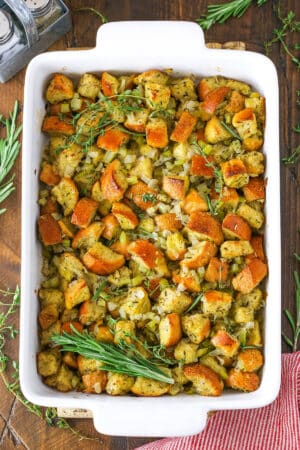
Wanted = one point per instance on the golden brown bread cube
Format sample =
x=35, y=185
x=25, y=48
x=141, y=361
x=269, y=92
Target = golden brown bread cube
x=205, y=380
x=168, y=221
x=245, y=123
x=69, y=266
x=189, y=280
x=136, y=303
x=94, y=382
x=228, y=345
x=173, y=301
x=49, y=230
x=183, y=89
x=199, y=255
x=175, y=246
x=136, y=120
x=233, y=249
x=254, y=218
x=196, y=326
x=186, y=351
x=193, y=202
x=64, y=381
x=205, y=227
x=102, y=260
x=255, y=189
x=68, y=159
x=48, y=362
x=56, y=126
x=142, y=195
x=157, y=133
x=157, y=95
x=66, y=194
x=254, y=163
x=113, y=182
x=48, y=175
x=202, y=166
x=77, y=292
x=111, y=227
x=84, y=212
x=48, y=315
x=89, y=86
x=119, y=383
x=216, y=303
x=216, y=271
x=175, y=186
x=148, y=256
x=60, y=88
x=88, y=236
x=112, y=139
x=236, y=102
x=45, y=336
x=242, y=381
x=249, y=360
x=152, y=75
x=127, y=219
x=235, y=173
x=109, y=84
x=184, y=127
x=234, y=227
x=215, y=132
x=170, y=330
x=124, y=331
x=250, y=276
x=144, y=387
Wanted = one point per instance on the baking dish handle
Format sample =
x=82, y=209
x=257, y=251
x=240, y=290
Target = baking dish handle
x=158, y=419
x=180, y=41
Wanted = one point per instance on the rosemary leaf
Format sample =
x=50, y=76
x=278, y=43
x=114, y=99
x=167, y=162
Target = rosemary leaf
x=231, y=131
x=195, y=303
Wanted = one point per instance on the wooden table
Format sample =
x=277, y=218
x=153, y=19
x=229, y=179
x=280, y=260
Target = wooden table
x=18, y=427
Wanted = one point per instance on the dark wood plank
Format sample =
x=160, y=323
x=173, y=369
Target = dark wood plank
x=19, y=429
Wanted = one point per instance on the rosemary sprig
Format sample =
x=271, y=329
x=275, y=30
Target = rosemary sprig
x=231, y=131
x=99, y=290
x=293, y=158
x=9, y=150
x=195, y=303
x=122, y=358
x=220, y=13
x=294, y=322
x=288, y=25
x=92, y=11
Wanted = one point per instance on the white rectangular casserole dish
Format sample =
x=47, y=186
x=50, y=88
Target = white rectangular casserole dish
x=125, y=47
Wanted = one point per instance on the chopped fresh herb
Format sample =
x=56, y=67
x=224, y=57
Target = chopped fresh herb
x=231, y=131
x=99, y=290
x=293, y=158
x=148, y=197
x=195, y=303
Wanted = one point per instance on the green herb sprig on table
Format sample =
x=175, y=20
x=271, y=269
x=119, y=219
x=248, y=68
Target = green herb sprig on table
x=293, y=158
x=92, y=11
x=9, y=150
x=294, y=321
x=220, y=13
x=122, y=358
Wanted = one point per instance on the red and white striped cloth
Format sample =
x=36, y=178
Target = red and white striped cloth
x=274, y=427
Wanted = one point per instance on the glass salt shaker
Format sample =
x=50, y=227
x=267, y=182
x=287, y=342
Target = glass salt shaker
x=44, y=12
x=11, y=36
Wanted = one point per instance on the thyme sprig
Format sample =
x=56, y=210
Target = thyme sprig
x=219, y=182
x=122, y=358
x=293, y=158
x=9, y=150
x=92, y=11
x=294, y=321
x=289, y=24
x=220, y=13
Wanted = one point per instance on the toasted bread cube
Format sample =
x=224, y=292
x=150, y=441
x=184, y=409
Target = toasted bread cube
x=206, y=85
x=68, y=160
x=103, y=334
x=233, y=249
x=48, y=362
x=50, y=297
x=143, y=196
x=157, y=95
x=77, y=292
x=157, y=133
x=243, y=381
x=89, y=86
x=234, y=227
x=48, y=176
x=109, y=84
x=202, y=166
x=216, y=303
x=252, y=216
x=102, y=260
x=88, y=365
x=67, y=327
x=49, y=230
x=124, y=331
x=84, y=212
x=196, y=326
x=142, y=168
x=205, y=227
x=88, y=122
x=70, y=360
x=112, y=139
x=254, y=335
x=170, y=330
x=253, y=143
x=119, y=383
x=145, y=387
x=136, y=303
x=113, y=182
x=216, y=271
x=69, y=266
x=229, y=197
x=245, y=122
x=254, y=163
x=148, y=256
x=121, y=246
x=236, y=102
x=153, y=75
x=249, y=360
x=60, y=88
x=184, y=127
x=125, y=216
x=45, y=336
x=66, y=194
x=69, y=315
x=48, y=315
x=136, y=120
x=215, y=132
x=243, y=314
x=199, y=255
x=214, y=98
x=258, y=248
x=251, y=275
x=254, y=190
x=94, y=382
x=111, y=226
x=87, y=237
x=235, y=173
x=175, y=186
x=193, y=202
x=64, y=381
x=168, y=221
x=186, y=351
x=253, y=300
x=175, y=246
x=66, y=227
x=91, y=311
x=189, y=280
x=205, y=380
x=55, y=126
x=183, y=89
x=226, y=343
x=172, y=301
x=258, y=105
x=50, y=206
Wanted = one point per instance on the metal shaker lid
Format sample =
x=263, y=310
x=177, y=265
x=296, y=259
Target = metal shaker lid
x=6, y=26
x=39, y=7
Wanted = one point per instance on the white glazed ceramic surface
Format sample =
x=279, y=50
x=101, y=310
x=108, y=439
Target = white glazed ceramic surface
x=124, y=47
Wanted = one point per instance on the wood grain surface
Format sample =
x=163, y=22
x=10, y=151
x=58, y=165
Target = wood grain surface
x=21, y=429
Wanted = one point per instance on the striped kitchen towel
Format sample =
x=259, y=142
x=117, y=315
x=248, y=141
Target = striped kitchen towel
x=274, y=427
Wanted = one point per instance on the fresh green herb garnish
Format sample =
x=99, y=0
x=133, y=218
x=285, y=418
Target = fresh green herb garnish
x=293, y=158
x=220, y=13
x=122, y=358
x=9, y=150
x=148, y=197
x=231, y=131
x=294, y=322
x=92, y=11
x=195, y=303
x=99, y=290
x=219, y=183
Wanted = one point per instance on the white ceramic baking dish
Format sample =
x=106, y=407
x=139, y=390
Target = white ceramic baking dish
x=134, y=47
